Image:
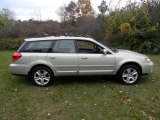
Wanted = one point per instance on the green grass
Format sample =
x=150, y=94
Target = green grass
x=77, y=98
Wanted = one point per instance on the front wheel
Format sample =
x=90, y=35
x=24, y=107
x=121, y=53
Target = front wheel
x=129, y=74
x=42, y=76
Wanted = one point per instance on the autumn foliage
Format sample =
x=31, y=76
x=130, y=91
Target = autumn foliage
x=135, y=26
x=84, y=7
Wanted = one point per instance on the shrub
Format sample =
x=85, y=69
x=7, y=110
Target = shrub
x=134, y=27
x=10, y=44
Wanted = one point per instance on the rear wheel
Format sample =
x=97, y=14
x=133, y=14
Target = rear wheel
x=42, y=76
x=129, y=74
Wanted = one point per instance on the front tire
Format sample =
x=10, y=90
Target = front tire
x=129, y=74
x=42, y=76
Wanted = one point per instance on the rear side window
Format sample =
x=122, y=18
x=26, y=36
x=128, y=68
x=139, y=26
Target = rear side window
x=64, y=46
x=37, y=46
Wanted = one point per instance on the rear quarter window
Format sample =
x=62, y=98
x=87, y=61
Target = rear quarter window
x=37, y=46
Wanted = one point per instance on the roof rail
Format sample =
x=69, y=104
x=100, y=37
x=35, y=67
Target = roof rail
x=65, y=35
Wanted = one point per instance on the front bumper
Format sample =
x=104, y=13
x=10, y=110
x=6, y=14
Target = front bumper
x=148, y=68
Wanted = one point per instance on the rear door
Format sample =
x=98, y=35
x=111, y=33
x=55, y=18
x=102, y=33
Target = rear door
x=92, y=61
x=64, y=57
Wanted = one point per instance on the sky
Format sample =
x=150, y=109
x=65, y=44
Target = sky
x=45, y=9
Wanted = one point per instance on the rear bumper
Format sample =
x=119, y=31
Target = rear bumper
x=18, y=69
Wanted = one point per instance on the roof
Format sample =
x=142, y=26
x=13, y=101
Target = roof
x=58, y=38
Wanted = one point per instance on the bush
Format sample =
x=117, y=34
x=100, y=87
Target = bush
x=10, y=44
x=135, y=28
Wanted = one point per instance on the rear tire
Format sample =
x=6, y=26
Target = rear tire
x=129, y=74
x=42, y=76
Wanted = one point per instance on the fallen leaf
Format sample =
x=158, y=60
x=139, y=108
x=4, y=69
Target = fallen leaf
x=151, y=118
x=49, y=114
x=47, y=89
x=120, y=91
x=153, y=111
x=28, y=109
x=127, y=101
x=16, y=90
x=142, y=111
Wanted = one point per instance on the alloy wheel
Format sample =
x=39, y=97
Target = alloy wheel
x=130, y=75
x=42, y=77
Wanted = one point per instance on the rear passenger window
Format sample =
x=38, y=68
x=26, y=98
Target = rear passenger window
x=37, y=46
x=64, y=46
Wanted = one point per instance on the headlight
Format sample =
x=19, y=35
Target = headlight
x=147, y=60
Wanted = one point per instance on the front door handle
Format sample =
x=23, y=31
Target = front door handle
x=52, y=57
x=85, y=58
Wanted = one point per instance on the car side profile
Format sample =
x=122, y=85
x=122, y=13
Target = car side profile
x=47, y=57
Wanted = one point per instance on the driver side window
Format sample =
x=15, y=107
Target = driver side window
x=88, y=47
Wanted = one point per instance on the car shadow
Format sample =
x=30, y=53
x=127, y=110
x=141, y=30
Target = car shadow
x=84, y=80
x=144, y=80
x=69, y=80
x=22, y=80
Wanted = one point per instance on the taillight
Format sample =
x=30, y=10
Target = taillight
x=16, y=56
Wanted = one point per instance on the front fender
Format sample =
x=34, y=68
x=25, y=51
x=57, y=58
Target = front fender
x=125, y=61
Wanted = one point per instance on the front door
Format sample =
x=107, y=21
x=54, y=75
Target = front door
x=92, y=61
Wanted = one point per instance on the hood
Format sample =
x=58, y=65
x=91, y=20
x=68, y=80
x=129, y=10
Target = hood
x=128, y=52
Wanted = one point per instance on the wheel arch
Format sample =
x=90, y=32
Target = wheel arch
x=130, y=63
x=40, y=65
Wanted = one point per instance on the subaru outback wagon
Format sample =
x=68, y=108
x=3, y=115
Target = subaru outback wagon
x=47, y=57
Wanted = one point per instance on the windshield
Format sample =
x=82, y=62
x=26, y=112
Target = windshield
x=115, y=50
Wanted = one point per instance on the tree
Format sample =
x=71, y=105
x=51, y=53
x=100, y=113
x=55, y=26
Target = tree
x=84, y=8
x=62, y=13
x=68, y=14
x=71, y=13
x=6, y=21
x=103, y=7
x=5, y=17
x=7, y=14
x=1, y=22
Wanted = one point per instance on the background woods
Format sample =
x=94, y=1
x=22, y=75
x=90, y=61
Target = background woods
x=135, y=26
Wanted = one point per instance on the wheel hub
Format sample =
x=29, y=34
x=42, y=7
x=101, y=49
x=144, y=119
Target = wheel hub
x=130, y=75
x=42, y=77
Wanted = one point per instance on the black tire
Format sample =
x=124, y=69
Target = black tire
x=42, y=76
x=129, y=74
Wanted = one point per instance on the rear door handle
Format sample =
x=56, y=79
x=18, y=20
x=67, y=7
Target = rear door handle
x=85, y=58
x=52, y=57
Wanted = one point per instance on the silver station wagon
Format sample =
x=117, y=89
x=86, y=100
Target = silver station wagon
x=47, y=57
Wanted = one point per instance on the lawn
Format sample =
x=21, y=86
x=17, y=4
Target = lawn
x=78, y=98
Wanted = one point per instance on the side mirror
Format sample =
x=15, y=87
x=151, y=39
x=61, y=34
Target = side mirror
x=105, y=51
